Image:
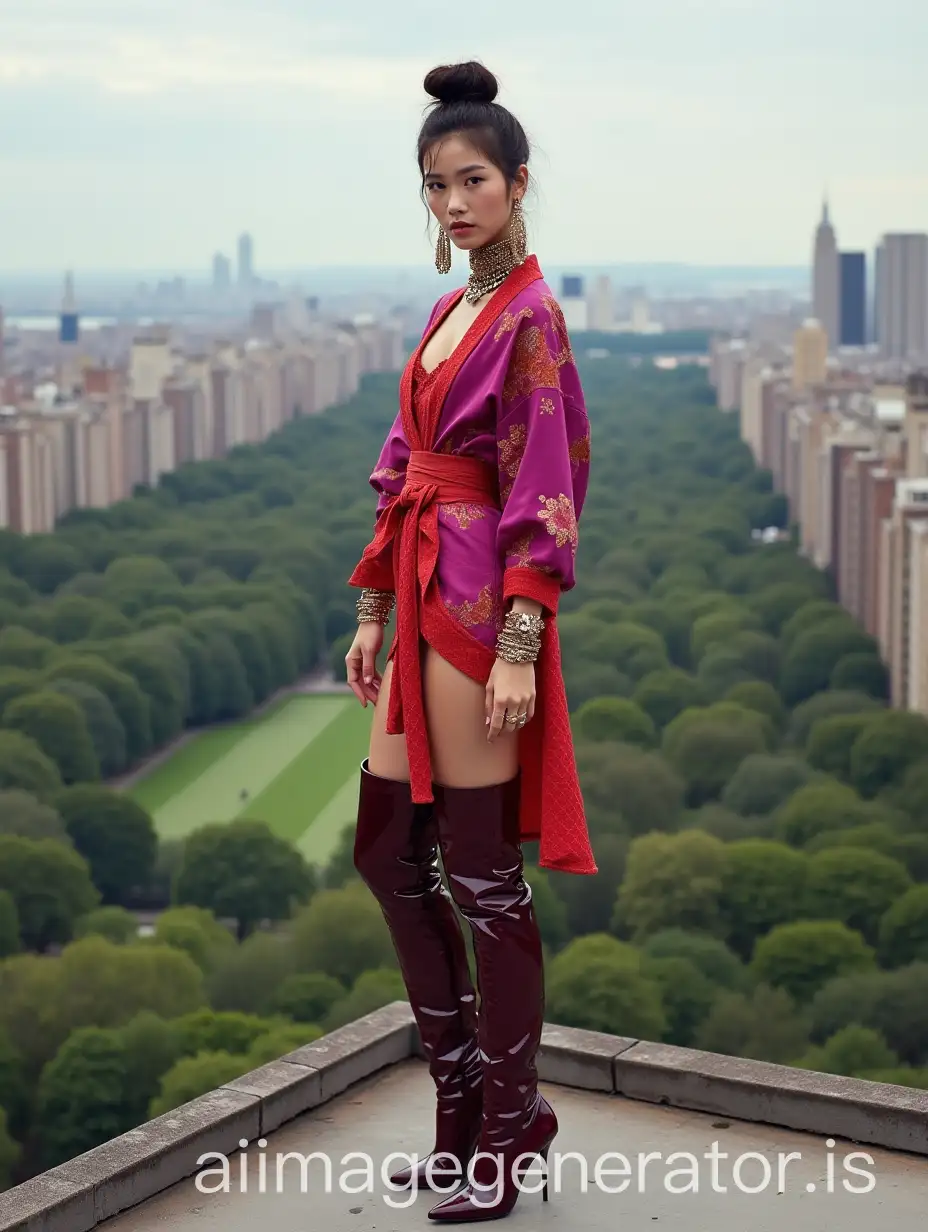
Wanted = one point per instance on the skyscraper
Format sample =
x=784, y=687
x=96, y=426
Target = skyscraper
x=826, y=278
x=69, y=325
x=600, y=306
x=222, y=272
x=246, y=260
x=573, y=302
x=853, y=286
x=875, y=307
x=69, y=368
x=902, y=297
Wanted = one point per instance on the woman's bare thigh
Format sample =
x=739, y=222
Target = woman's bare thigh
x=456, y=717
x=387, y=758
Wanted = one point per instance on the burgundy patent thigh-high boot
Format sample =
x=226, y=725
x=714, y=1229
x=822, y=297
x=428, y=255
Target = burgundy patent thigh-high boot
x=396, y=855
x=482, y=855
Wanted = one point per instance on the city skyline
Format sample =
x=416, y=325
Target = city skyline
x=144, y=134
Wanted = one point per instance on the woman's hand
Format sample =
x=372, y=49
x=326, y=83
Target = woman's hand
x=361, y=661
x=510, y=689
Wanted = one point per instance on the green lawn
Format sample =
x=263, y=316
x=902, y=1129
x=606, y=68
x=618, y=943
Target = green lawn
x=298, y=764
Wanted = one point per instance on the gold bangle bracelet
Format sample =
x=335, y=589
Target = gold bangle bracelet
x=519, y=640
x=375, y=605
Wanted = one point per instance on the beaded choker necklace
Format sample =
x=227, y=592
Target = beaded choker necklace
x=490, y=266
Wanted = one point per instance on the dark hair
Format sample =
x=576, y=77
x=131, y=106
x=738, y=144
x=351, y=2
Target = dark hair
x=464, y=97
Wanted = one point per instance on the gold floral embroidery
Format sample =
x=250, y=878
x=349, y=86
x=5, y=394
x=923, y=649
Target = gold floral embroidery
x=580, y=449
x=559, y=326
x=559, y=518
x=546, y=406
x=386, y=472
x=463, y=513
x=531, y=365
x=509, y=320
x=485, y=610
x=512, y=449
x=522, y=551
x=506, y=493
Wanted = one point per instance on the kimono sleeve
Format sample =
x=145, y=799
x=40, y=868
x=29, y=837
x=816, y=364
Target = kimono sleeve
x=375, y=568
x=543, y=443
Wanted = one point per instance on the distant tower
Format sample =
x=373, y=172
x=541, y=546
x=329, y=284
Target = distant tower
x=246, y=260
x=222, y=272
x=853, y=289
x=573, y=302
x=69, y=371
x=600, y=305
x=826, y=279
x=879, y=292
x=902, y=296
x=69, y=330
x=641, y=313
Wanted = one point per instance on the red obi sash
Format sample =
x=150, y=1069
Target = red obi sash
x=551, y=803
x=431, y=479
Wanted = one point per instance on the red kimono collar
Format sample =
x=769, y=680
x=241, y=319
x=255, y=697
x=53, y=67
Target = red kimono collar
x=420, y=428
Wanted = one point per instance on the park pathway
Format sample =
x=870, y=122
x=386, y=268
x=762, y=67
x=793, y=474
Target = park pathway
x=320, y=681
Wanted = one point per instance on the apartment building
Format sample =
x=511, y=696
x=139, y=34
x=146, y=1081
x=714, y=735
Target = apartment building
x=916, y=681
x=848, y=447
x=26, y=475
x=726, y=369
x=128, y=427
x=904, y=610
x=916, y=427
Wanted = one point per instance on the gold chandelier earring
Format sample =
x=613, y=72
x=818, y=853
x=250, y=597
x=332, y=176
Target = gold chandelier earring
x=517, y=237
x=443, y=251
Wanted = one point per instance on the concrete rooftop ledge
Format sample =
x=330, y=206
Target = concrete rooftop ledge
x=79, y=1194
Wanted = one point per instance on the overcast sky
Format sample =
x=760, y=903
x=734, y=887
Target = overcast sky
x=149, y=133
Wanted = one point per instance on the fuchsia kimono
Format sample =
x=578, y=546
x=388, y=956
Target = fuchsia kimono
x=481, y=482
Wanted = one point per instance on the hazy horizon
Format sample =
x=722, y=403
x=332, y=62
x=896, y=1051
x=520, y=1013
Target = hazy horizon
x=148, y=134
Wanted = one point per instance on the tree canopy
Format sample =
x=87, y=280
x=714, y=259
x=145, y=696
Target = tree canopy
x=758, y=811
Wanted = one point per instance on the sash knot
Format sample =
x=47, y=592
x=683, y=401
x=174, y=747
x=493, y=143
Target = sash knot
x=431, y=479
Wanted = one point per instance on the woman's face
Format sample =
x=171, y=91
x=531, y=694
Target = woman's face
x=467, y=193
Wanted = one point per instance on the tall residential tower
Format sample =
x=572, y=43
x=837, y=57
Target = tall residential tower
x=902, y=297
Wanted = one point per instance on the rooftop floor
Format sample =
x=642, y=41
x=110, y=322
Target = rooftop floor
x=393, y=1110
x=685, y=1140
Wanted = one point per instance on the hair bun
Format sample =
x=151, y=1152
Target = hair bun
x=457, y=83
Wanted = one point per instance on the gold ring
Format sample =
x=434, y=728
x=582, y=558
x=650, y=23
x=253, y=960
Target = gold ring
x=523, y=719
x=512, y=718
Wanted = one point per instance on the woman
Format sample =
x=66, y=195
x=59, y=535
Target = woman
x=480, y=483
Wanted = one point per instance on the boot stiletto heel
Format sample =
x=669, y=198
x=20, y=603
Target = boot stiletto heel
x=478, y=829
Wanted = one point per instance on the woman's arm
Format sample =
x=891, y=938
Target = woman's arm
x=543, y=443
x=544, y=454
x=374, y=571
